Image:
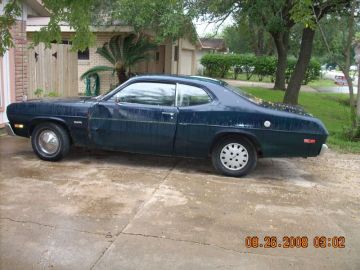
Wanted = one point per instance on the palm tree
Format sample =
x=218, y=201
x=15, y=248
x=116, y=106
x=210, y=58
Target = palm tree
x=122, y=53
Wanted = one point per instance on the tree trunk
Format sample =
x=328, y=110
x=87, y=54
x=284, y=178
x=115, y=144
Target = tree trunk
x=256, y=38
x=260, y=41
x=293, y=89
x=352, y=102
x=281, y=41
x=358, y=97
x=121, y=74
x=346, y=71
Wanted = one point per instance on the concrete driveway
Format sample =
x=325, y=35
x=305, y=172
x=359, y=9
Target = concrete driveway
x=103, y=210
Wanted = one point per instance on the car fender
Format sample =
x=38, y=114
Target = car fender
x=235, y=132
x=36, y=120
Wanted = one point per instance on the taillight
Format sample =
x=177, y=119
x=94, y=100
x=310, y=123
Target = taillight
x=309, y=141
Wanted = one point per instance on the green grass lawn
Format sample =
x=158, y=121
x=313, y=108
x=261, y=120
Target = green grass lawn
x=322, y=83
x=330, y=108
x=242, y=77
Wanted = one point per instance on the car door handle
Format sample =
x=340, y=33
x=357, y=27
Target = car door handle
x=168, y=113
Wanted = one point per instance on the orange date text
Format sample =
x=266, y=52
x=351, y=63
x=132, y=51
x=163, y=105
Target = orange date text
x=295, y=242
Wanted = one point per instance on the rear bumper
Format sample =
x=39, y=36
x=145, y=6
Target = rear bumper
x=9, y=130
x=323, y=150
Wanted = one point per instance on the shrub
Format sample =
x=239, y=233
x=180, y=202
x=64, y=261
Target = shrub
x=246, y=63
x=38, y=92
x=218, y=65
x=291, y=63
x=52, y=94
x=264, y=66
x=312, y=72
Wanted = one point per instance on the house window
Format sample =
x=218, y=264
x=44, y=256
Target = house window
x=176, y=53
x=62, y=42
x=84, y=55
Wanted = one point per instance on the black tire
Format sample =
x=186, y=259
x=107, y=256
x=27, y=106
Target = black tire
x=235, y=171
x=62, y=139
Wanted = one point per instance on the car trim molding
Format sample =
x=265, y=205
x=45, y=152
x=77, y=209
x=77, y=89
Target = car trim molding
x=135, y=121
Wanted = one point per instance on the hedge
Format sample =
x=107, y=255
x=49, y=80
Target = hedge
x=218, y=65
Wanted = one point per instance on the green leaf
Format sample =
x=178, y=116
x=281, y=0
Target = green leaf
x=96, y=69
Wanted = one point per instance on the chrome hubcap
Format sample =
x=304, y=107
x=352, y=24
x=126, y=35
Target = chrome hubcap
x=234, y=156
x=48, y=142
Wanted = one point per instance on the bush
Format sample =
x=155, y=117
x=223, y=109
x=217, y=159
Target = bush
x=312, y=72
x=218, y=65
x=245, y=64
x=265, y=66
x=291, y=63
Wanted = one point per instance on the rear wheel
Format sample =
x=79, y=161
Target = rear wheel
x=50, y=141
x=234, y=156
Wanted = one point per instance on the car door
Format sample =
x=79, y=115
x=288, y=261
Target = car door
x=140, y=118
x=194, y=131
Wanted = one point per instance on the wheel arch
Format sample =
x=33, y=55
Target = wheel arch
x=233, y=133
x=40, y=120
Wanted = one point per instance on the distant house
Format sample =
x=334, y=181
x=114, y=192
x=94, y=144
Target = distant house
x=23, y=70
x=213, y=45
x=209, y=45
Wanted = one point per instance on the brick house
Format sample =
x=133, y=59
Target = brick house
x=13, y=65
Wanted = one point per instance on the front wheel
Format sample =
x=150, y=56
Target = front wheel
x=50, y=141
x=234, y=157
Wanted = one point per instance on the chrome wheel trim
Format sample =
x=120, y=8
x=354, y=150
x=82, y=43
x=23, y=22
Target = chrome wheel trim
x=234, y=156
x=48, y=142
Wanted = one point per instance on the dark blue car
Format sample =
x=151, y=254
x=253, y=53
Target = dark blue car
x=170, y=115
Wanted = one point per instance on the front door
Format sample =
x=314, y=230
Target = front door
x=141, y=117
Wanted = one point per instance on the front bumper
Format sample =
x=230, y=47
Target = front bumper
x=9, y=130
x=324, y=149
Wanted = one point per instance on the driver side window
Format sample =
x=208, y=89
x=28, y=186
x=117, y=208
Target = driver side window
x=149, y=93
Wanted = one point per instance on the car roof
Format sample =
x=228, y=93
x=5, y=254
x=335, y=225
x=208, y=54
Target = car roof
x=182, y=78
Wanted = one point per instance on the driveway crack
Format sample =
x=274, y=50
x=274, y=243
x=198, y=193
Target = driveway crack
x=28, y=222
x=138, y=210
x=49, y=226
x=205, y=244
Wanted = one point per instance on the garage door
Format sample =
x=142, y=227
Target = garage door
x=186, y=62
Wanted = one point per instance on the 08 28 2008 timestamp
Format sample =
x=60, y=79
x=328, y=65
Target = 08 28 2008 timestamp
x=295, y=242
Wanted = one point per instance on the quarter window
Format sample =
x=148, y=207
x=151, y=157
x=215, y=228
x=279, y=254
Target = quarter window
x=148, y=93
x=190, y=95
